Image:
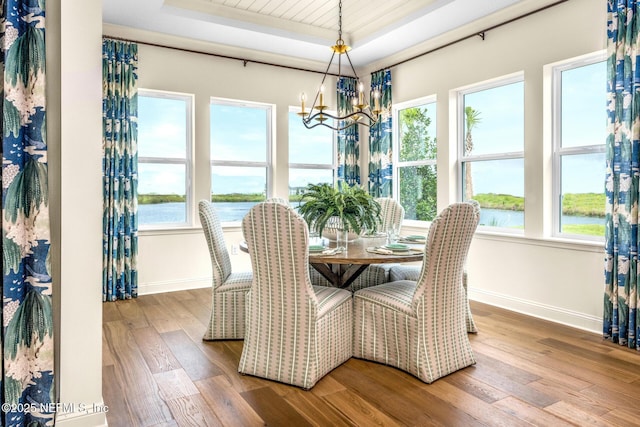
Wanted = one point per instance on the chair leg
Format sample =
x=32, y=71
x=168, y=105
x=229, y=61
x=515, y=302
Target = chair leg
x=471, y=324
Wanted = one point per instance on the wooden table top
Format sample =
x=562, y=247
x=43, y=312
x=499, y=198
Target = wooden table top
x=343, y=268
x=357, y=253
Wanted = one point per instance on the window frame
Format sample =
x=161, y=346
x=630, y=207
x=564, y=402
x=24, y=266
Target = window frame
x=313, y=166
x=517, y=77
x=395, y=155
x=557, y=150
x=189, y=100
x=267, y=164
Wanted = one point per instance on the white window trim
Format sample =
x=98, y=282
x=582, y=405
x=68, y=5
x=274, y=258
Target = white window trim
x=188, y=98
x=478, y=87
x=395, y=149
x=268, y=164
x=558, y=151
x=317, y=166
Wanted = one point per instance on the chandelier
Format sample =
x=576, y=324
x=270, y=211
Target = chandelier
x=361, y=114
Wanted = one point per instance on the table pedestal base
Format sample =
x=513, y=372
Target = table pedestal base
x=340, y=275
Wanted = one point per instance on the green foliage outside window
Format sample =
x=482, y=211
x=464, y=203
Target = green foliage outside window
x=418, y=184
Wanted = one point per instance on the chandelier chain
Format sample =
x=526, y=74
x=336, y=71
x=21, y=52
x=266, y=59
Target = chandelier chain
x=340, y=20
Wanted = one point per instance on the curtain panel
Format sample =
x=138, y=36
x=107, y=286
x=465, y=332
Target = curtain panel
x=380, y=138
x=348, y=139
x=120, y=170
x=621, y=297
x=27, y=315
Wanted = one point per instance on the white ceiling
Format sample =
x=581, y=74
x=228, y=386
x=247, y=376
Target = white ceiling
x=304, y=29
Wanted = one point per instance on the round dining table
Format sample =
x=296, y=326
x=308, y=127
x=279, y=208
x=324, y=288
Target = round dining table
x=343, y=267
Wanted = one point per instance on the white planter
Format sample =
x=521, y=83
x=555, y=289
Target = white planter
x=333, y=227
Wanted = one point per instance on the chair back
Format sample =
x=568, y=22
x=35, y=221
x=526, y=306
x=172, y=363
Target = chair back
x=278, y=241
x=220, y=261
x=446, y=252
x=391, y=213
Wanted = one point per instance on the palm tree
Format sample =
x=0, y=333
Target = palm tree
x=472, y=118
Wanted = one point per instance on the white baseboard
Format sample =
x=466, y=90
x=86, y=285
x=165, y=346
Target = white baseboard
x=83, y=416
x=543, y=311
x=174, y=285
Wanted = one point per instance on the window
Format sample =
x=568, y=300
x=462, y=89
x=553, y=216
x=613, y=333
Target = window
x=415, y=177
x=164, y=159
x=240, y=156
x=579, y=126
x=311, y=155
x=492, y=151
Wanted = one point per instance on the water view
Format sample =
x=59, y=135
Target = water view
x=515, y=219
x=167, y=213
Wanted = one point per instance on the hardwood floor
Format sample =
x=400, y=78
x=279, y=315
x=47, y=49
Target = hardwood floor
x=157, y=371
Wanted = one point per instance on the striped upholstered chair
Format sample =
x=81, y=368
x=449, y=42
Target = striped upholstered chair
x=296, y=332
x=391, y=213
x=228, y=288
x=412, y=272
x=419, y=327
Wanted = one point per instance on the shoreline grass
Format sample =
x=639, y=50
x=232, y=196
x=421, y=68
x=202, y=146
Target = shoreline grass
x=576, y=204
x=582, y=204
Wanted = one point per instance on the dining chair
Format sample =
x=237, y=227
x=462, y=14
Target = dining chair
x=391, y=213
x=228, y=288
x=412, y=272
x=296, y=332
x=419, y=327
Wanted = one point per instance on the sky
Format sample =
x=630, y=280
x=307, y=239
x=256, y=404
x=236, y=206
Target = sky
x=239, y=134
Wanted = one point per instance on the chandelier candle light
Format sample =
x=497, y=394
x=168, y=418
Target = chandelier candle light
x=361, y=110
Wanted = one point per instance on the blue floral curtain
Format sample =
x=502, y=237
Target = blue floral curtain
x=348, y=139
x=120, y=170
x=27, y=315
x=621, y=317
x=380, y=138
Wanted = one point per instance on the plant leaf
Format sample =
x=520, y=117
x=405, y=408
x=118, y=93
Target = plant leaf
x=34, y=317
x=27, y=191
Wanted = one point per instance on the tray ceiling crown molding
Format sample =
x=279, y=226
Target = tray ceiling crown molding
x=305, y=29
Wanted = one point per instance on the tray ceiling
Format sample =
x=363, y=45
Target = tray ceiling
x=304, y=29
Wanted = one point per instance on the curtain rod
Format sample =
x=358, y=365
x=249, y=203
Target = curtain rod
x=218, y=55
x=245, y=61
x=480, y=34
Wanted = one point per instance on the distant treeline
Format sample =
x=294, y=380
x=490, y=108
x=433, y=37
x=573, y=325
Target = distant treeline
x=579, y=204
x=583, y=204
x=149, y=199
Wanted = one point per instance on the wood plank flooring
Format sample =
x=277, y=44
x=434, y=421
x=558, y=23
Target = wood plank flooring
x=157, y=371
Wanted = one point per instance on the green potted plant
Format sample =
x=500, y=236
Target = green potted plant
x=341, y=208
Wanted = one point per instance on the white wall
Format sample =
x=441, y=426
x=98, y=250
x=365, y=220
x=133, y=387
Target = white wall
x=74, y=129
x=530, y=273
x=533, y=274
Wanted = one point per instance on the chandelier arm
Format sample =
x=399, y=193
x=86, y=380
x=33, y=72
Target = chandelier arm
x=324, y=77
x=353, y=70
x=336, y=128
x=346, y=117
